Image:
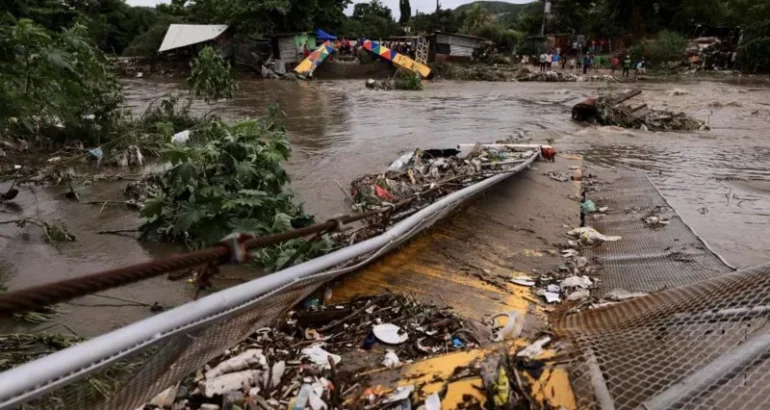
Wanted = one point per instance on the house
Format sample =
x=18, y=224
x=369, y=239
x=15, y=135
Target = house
x=446, y=46
x=288, y=47
x=190, y=38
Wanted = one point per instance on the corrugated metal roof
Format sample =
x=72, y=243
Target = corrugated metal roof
x=180, y=35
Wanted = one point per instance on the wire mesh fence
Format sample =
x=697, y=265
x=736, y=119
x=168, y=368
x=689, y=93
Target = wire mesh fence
x=127, y=378
x=702, y=346
x=701, y=341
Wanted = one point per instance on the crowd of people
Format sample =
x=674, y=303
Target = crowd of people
x=553, y=59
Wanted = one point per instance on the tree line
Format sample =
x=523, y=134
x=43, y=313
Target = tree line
x=119, y=29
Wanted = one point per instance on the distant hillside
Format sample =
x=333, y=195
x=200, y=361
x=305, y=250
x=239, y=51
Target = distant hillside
x=500, y=10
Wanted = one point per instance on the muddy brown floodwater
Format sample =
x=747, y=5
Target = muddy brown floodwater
x=718, y=180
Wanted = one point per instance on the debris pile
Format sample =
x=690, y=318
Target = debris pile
x=609, y=110
x=558, y=76
x=423, y=172
x=313, y=356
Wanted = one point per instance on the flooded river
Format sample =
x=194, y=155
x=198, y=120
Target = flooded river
x=718, y=180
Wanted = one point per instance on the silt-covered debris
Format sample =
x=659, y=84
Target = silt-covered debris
x=559, y=76
x=434, y=171
x=314, y=356
x=609, y=110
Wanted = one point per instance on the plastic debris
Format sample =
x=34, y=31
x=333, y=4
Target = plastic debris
x=603, y=208
x=433, y=402
x=512, y=328
x=579, y=295
x=402, y=162
x=569, y=253
x=457, y=343
x=239, y=362
x=391, y=359
x=401, y=393
x=619, y=295
x=166, y=398
x=303, y=397
x=576, y=282
x=523, y=282
x=277, y=373
x=390, y=334
x=535, y=349
x=228, y=382
x=550, y=297
x=502, y=389
x=319, y=356
x=181, y=137
x=96, y=153
x=553, y=288
x=587, y=207
x=590, y=235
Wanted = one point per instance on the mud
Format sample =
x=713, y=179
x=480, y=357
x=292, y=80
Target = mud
x=718, y=180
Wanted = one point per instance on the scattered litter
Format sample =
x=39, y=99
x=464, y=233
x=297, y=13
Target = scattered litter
x=181, y=137
x=590, y=235
x=511, y=329
x=390, y=334
x=550, y=297
x=239, y=362
x=583, y=282
x=587, y=207
x=96, y=153
x=579, y=295
x=603, y=209
x=433, y=402
x=401, y=393
x=391, y=359
x=676, y=92
x=553, y=288
x=319, y=356
x=655, y=221
x=228, y=382
x=557, y=176
x=523, y=282
x=54, y=159
x=619, y=295
x=569, y=253
x=535, y=349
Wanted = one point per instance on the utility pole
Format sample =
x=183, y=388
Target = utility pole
x=546, y=11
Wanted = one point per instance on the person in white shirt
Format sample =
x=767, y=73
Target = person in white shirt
x=548, y=61
x=543, y=59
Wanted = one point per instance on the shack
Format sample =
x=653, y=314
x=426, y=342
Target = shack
x=456, y=47
x=288, y=47
x=188, y=39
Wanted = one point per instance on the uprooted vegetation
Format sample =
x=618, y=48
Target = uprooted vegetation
x=401, y=80
x=231, y=181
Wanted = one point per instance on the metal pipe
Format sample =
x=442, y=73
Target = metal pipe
x=34, y=379
x=710, y=374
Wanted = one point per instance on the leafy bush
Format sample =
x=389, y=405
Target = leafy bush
x=54, y=85
x=502, y=38
x=406, y=80
x=668, y=47
x=233, y=182
x=210, y=76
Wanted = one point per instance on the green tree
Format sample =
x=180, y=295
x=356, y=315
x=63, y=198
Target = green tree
x=406, y=11
x=374, y=8
x=477, y=16
x=210, y=76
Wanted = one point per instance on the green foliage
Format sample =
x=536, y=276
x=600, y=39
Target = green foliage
x=148, y=42
x=54, y=84
x=210, y=76
x=406, y=80
x=372, y=20
x=440, y=20
x=502, y=38
x=476, y=17
x=753, y=53
x=406, y=11
x=231, y=182
x=668, y=47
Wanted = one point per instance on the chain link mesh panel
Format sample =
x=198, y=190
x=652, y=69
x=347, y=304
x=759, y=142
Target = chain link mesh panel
x=136, y=377
x=701, y=342
x=650, y=257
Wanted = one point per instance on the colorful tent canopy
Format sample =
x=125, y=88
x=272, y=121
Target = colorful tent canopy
x=308, y=65
x=398, y=59
x=323, y=36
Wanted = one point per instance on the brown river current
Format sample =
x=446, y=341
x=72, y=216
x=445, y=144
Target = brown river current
x=718, y=180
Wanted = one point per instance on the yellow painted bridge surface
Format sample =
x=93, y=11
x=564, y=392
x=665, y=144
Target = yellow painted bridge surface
x=466, y=261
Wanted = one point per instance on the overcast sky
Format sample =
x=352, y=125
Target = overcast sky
x=421, y=5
